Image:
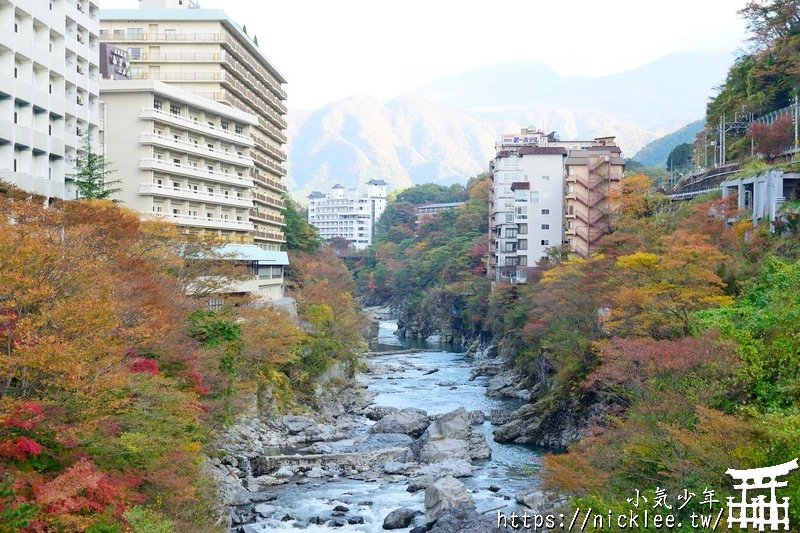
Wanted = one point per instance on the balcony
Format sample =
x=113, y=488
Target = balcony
x=255, y=83
x=149, y=163
x=267, y=200
x=209, y=223
x=195, y=125
x=267, y=182
x=247, y=94
x=271, y=150
x=201, y=150
x=257, y=215
x=185, y=193
x=269, y=236
x=244, y=56
x=177, y=58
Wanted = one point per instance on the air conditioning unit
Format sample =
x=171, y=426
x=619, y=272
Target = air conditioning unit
x=78, y=132
x=79, y=100
x=80, y=38
x=80, y=69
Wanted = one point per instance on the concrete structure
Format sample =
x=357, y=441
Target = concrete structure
x=348, y=213
x=591, y=174
x=763, y=195
x=266, y=267
x=49, y=91
x=531, y=196
x=175, y=161
x=435, y=209
x=205, y=52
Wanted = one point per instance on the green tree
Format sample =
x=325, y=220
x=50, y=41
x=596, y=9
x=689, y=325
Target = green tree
x=680, y=158
x=92, y=173
x=300, y=235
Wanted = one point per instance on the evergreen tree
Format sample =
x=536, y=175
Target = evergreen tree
x=300, y=235
x=92, y=173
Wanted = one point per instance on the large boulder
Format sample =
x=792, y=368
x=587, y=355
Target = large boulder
x=478, y=447
x=438, y=450
x=446, y=493
x=410, y=421
x=453, y=425
x=376, y=412
x=399, y=518
x=463, y=520
x=380, y=441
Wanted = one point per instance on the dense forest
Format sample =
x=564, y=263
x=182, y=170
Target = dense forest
x=115, y=376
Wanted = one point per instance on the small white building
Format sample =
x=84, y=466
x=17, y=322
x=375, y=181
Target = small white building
x=348, y=213
x=763, y=195
x=49, y=90
x=265, y=266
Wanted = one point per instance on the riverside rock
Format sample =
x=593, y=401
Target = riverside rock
x=410, y=421
x=435, y=451
x=399, y=518
x=446, y=493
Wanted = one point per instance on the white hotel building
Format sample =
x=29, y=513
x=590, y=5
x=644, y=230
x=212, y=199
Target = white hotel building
x=348, y=213
x=49, y=90
x=181, y=157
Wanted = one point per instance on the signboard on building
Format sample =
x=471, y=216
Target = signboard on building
x=114, y=63
x=521, y=139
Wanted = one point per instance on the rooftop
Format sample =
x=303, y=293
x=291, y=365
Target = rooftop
x=190, y=15
x=251, y=252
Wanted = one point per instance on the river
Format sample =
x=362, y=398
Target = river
x=512, y=467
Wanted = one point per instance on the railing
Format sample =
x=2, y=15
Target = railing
x=268, y=235
x=192, y=170
x=274, y=152
x=255, y=82
x=260, y=215
x=210, y=222
x=186, y=193
x=203, y=150
x=187, y=57
x=269, y=182
x=253, y=99
x=196, y=125
x=267, y=200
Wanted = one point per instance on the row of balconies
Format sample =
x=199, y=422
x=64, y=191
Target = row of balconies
x=183, y=169
x=258, y=197
x=254, y=82
x=269, y=236
x=195, y=148
x=266, y=217
x=209, y=222
x=186, y=193
x=271, y=150
x=244, y=92
x=267, y=182
x=195, y=125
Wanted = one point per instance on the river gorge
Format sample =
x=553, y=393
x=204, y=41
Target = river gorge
x=348, y=473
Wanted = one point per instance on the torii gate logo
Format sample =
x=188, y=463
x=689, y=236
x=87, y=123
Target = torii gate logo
x=755, y=510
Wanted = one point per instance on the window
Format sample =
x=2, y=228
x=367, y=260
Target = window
x=176, y=137
x=571, y=188
x=170, y=34
x=176, y=185
x=209, y=215
x=522, y=229
x=136, y=33
x=135, y=53
x=571, y=210
x=545, y=226
x=238, y=129
x=175, y=110
x=511, y=233
x=177, y=162
x=224, y=125
x=522, y=244
x=521, y=195
x=545, y=242
x=157, y=208
x=512, y=261
x=509, y=218
x=510, y=247
x=545, y=178
x=210, y=146
x=210, y=190
x=545, y=211
x=535, y=197
x=210, y=168
x=571, y=171
x=15, y=117
x=522, y=213
x=176, y=211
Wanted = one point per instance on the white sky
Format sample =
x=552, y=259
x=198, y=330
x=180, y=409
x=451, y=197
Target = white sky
x=330, y=49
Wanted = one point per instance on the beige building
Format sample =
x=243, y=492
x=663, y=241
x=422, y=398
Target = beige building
x=176, y=161
x=591, y=174
x=204, y=52
x=49, y=89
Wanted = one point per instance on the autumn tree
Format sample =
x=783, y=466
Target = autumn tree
x=771, y=140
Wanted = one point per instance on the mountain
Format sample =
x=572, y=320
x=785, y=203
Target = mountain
x=663, y=94
x=655, y=153
x=409, y=140
x=445, y=131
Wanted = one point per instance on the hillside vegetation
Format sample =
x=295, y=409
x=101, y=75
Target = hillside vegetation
x=115, y=376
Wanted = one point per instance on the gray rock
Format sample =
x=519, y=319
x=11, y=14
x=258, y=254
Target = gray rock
x=399, y=518
x=499, y=383
x=394, y=467
x=454, y=425
x=448, y=467
x=353, y=520
x=446, y=493
x=284, y=472
x=264, y=510
x=376, y=412
x=435, y=451
x=464, y=520
x=410, y=421
x=476, y=417
x=342, y=509
x=295, y=424
x=499, y=417
x=447, y=383
x=381, y=441
x=315, y=473
x=478, y=447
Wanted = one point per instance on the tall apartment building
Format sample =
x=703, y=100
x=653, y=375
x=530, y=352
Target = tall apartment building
x=181, y=157
x=204, y=52
x=591, y=174
x=528, y=201
x=348, y=213
x=49, y=90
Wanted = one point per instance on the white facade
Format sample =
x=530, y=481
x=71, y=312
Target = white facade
x=205, y=52
x=49, y=91
x=176, y=160
x=526, y=215
x=764, y=195
x=348, y=213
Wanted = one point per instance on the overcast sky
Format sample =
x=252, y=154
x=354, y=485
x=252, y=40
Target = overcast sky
x=332, y=49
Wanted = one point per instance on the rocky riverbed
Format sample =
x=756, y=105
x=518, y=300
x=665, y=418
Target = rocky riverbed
x=408, y=448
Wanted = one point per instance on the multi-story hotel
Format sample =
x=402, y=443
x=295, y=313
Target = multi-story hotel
x=347, y=213
x=529, y=203
x=204, y=52
x=181, y=157
x=591, y=174
x=49, y=90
